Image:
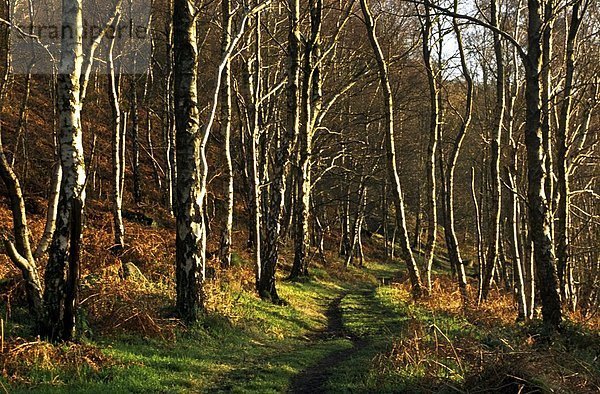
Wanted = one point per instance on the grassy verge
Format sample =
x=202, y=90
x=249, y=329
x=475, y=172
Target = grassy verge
x=242, y=345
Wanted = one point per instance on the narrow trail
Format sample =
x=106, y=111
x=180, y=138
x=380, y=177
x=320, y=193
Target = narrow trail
x=361, y=306
x=336, y=358
x=315, y=378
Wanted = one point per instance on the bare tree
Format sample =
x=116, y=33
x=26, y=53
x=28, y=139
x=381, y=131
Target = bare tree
x=311, y=99
x=413, y=269
x=118, y=146
x=495, y=153
x=448, y=177
x=434, y=121
x=225, y=249
x=562, y=166
x=60, y=294
x=266, y=286
x=539, y=210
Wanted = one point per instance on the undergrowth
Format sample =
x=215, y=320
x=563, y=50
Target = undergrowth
x=131, y=340
x=446, y=347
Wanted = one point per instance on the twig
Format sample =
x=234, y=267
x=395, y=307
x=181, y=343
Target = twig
x=3, y=387
x=452, y=346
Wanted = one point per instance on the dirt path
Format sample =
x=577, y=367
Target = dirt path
x=338, y=358
x=356, y=315
x=315, y=378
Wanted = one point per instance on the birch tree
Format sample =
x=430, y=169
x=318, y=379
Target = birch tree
x=384, y=80
x=190, y=168
x=60, y=295
x=267, y=286
x=495, y=153
x=539, y=210
x=448, y=177
x=19, y=250
x=311, y=99
x=225, y=247
x=118, y=146
x=434, y=121
x=562, y=166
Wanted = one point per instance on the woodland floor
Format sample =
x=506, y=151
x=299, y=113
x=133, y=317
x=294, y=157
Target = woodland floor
x=353, y=330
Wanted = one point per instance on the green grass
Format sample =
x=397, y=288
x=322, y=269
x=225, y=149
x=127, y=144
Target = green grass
x=260, y=352
x=267, y=348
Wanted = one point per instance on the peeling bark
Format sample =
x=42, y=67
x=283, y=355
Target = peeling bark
x=64, y=249
x=190, y=238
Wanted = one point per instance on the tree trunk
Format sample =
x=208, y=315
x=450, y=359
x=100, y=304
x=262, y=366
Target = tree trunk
x=448, y=190
x=495, y=155
x=356, y=226
x=345, y=214
x=51, y=214
x=546, y=112
x=254, y=82
x=189, y=206
x=60, y=294
x=311, y=105
x=267, y=286
x=413, y=269
x=19, y=251
x=117, y=147
x=513, y=219
x=434, y=122
x=539, y=212
x=562, y=165
x=479, y=239
x=225, y=247
x=155, y=166
x=385, y=215
x=168, y=122
x=135, y=143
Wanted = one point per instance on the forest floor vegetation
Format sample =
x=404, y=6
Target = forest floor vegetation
x=344, y=330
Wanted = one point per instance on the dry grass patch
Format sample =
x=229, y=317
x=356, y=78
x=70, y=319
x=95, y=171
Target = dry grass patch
x=26, y=362
x=483, y=348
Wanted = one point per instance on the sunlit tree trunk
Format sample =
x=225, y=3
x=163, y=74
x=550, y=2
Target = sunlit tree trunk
x=117, y=147
x=168, y=121
x=19, y=251
x=385, y=216
x=546, y=111
x=357, y=224
x=345, y=210
x=562, y=165
x=495, y=155
x=60, y=295
x=448, y=190
x=255, y=78
x=225, y=247
x=413, y=269
x=311, y=99
x=135, y=142
x=479, y=240
x=513, y=220
x=51, y=213
x=434, y=121
x=150, y=143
